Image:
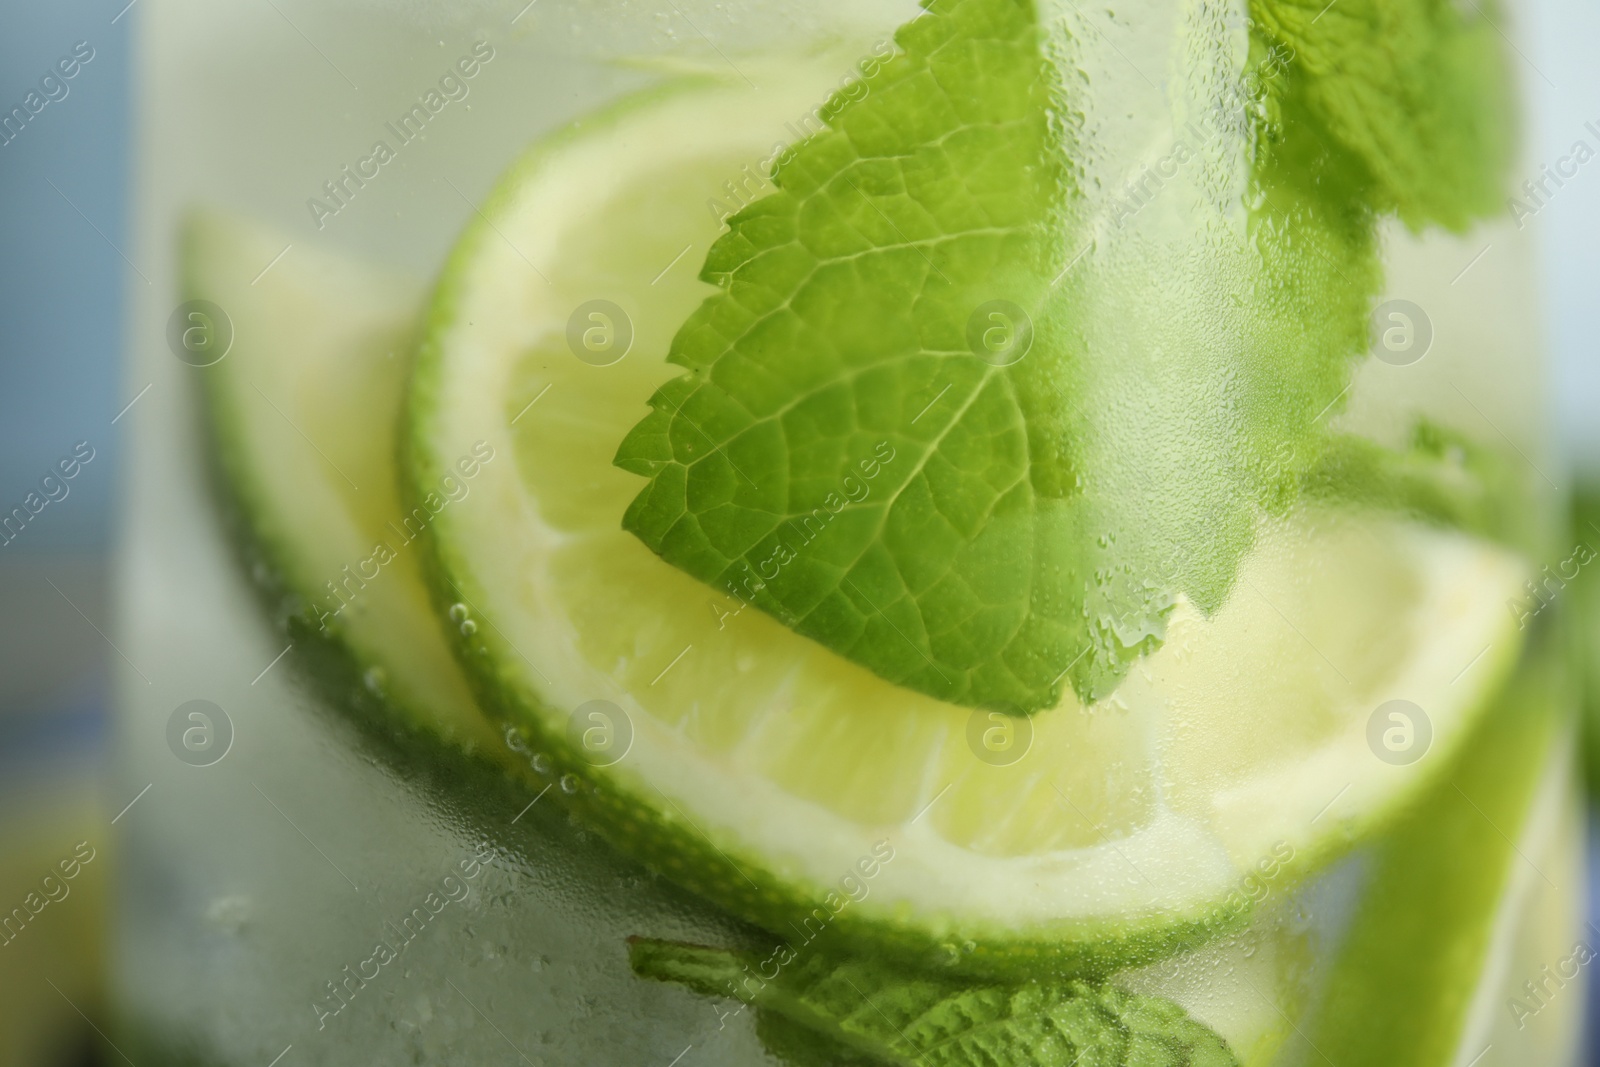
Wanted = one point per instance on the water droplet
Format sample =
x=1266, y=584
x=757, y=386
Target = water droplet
x=541, y=763
x=458, y=612
x=230, y=913
x=374, y=678
x=569, y=783
x=468, y=628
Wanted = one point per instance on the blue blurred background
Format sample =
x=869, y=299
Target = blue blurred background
x=64, y=198
x=64, y=195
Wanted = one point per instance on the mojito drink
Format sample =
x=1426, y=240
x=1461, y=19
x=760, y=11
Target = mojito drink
x=981, y=532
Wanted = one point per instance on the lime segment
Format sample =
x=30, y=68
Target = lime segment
x=303, y=409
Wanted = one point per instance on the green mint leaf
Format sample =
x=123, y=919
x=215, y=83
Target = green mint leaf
x=1417, y=90
x=840, y=1012
x=1443, y=478
x=961, y=418
x=801, y=1047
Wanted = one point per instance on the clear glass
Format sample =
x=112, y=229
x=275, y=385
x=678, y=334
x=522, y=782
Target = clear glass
x=249, y=890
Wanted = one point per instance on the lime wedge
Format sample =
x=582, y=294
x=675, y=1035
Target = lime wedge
x=801, y=791
x=303, y=407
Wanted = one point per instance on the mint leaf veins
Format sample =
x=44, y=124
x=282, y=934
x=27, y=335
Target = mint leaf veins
x=819, y=1011
x=971, y=409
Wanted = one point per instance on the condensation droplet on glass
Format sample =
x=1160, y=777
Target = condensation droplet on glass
x=229, y=913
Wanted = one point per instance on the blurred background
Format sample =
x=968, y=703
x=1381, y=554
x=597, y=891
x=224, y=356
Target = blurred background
x=63, y=275
x=63, y=197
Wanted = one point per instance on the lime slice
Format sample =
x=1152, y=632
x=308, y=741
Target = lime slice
x=303, y=407
x=771, y=775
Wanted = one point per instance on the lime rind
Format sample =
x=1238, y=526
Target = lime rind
x=319, y=314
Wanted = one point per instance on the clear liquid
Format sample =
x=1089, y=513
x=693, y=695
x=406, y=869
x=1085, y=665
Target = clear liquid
x=255, y=892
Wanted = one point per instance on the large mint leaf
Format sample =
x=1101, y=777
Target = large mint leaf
x=853, y=448
x=1417, y=90
x=817, y=1011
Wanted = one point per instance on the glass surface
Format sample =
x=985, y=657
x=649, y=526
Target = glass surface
x=254, y=887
